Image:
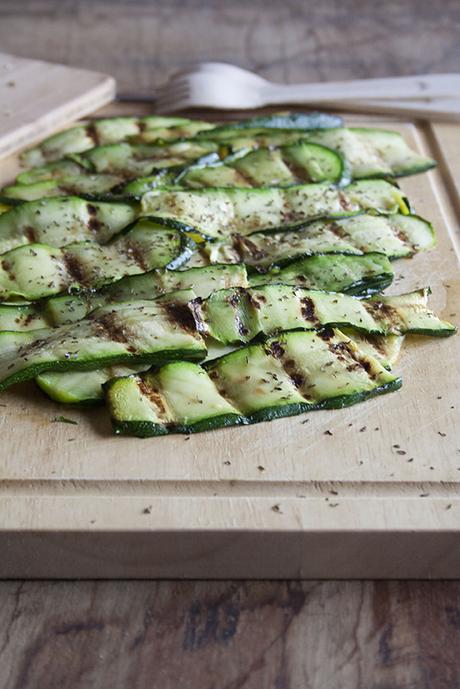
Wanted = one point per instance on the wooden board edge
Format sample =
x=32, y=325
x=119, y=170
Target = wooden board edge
x=443, y=139
x=153, y=537
x=96, y=97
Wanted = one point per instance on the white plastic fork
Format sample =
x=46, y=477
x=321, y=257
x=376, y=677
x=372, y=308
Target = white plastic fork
x=223, y=86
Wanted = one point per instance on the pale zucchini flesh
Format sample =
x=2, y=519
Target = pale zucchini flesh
x=36, y=271
x=217, y=213
x=133, y=332
x=370, y=152
x=125, y=161
x=299, y=163
x=358, y=275
x=86, y=185
x=395, y=236
x=61, y=221
x=290, y=374
x=82, y=387
x=296, y=164
x=367, y=152
x=107, y=131
x=86, y=387
x=240, y=315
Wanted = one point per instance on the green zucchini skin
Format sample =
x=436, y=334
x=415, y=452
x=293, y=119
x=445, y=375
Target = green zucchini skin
x=85, y=387
x=108, y=131
x=82, y=388
x=282, y=377
x=134, y=333
x=70, y=308
x=90, y=186
x=122, y=161
x=368, y=152
x=395, y=236
x=298, y=163
x=355, y=275
x=217, y=213
x=299, y=121
x=36, y=271
x=240, y=315
x=58, y=221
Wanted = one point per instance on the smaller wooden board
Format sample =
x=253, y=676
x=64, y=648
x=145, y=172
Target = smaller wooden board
x=37, y=98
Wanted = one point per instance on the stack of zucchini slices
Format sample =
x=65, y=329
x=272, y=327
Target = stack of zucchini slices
x=195, y=276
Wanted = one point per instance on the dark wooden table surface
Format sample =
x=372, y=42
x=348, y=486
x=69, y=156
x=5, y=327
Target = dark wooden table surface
x=232, y=635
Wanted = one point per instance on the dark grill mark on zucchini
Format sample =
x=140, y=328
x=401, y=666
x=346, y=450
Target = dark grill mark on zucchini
x=276, y=349
x=298, y=172
x=308, y=309
x=7, y=267
x=344, y=203
x=326, y=334
x=134, y=251
x=27, y=349
x=181, y=314
x=234, y=300
x=75, y=269
x=94, y=223
x=242, y=244
x=30, y=233
x=152, y=394
x=196, y=310
x=243, y=331
x=246, y=177
x=336, y=229
x=403, y=237
x=344, y=351
x=291, y=368
x=255, y=300
x=107, y=325
x=91, y=131
x=380, y=309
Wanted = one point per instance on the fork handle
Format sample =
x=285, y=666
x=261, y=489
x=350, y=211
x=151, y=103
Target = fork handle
x=445, y=110
x=412, y=87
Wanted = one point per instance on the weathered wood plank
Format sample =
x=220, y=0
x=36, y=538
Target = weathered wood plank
x=141, y=42
x=359, y=635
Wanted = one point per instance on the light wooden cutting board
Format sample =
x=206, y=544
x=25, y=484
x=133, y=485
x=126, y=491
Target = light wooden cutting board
x=37, y=97
x=380, y=497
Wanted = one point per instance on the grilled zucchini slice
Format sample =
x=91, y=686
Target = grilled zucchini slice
x=133, y=332
x=240, y=315
x=35, y=271
x=395, y=236
x=107, y=131
x=287, y=375
x=61, y=221
x=220, y=212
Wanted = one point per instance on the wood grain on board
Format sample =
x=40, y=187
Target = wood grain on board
x=376, y=496
x=37, y=98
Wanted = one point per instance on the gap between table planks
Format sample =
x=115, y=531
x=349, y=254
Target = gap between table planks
x=78, y=502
